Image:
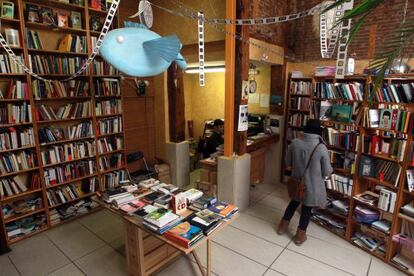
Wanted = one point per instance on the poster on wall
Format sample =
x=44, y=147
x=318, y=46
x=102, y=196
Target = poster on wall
x=243, y=118
x=264, y=100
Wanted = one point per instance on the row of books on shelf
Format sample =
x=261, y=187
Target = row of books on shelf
x=341, y=139
x=70, y=192
x=56, y=65
x=394, y=93
x=391, y=147
x=54, y=133
x=16, y=185
x=112, y=106
x=14, y=138
x=339, y=183
x=108, y=162
x=111, y=125
x=103, y=68
x=8, y=66
x=109, y=144
x=298, y=120
x=15, y=162
x=300, y=103
x=112, y=179
x=16, y=113
x=69, y=111
x=343, y=160
x=21, y=207
x=67, y=152
x=16, y=90
x=387, y=119
x=383, y=170
x=63, y=213
x=184, y=217
x=57, y=89
x=73, y=43
x=347, y=91
x=107, y=87
x=301, y=88
x=382, y=198
x=69, y=172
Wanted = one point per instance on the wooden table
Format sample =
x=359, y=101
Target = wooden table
x=147, y=252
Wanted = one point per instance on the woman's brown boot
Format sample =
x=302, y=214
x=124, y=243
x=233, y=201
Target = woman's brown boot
x=283, y=227
x=300, y=237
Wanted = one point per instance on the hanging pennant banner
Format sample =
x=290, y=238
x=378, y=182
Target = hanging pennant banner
x=201, y=49
x=341, y=59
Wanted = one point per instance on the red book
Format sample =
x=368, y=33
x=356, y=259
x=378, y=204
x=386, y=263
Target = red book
x=394, y=119
x=375, y=144
x=96, y=4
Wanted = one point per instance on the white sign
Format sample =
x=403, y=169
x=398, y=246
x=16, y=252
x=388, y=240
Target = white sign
x=243, y=118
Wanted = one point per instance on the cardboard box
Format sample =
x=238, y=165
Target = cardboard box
x=204, y=175
x=213, y=177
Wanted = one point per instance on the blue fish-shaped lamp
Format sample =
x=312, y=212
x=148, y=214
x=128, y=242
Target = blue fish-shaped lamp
x=138, y=52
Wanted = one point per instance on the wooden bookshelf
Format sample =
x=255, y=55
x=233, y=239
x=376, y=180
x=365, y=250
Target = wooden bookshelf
x=50, y=37
x=360, y=183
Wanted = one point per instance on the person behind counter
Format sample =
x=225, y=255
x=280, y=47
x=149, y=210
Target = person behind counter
x=216, y=138
x=311, y=149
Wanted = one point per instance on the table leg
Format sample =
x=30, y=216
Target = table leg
x=208, y=257
x=135, y=250
x=197, y=259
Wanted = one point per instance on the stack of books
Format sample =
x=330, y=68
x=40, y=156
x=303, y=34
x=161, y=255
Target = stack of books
x=332, y=222
x=20, y=207
x=369, y=242
x=185, y=234
x=339, y=206
x=365, y=215
x=161, y=220
x=81, y=207
x=387, y=200
x=408, y=209
x=382, y=225
x=368, y=197
x=206, y=220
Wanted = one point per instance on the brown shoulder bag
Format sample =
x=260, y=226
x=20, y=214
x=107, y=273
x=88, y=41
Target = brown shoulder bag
x=296, y=187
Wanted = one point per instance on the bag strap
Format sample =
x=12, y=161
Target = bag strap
x=310, y=158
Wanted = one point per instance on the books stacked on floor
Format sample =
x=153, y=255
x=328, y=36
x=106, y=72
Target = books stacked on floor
x=387, y=119
x=395, y=93
x=392, y=147
x=109, y=126
x=56, y=89
x=81, y=207
x=325, y=71
x=382, y=225
x=61, y=174
x=54, y=133
x=341, y=139
x=16, y=90
x=365, y=215
x=347, y=91
x=14, y=186
x=387, y=200
x=163, y=172
x=21, y=207
x=56, y=65
x=25, y=226
x=69, y=111
x=370, y=242
x=383, y=170
x=13, y=138
x=301, y=88
x=16, y=113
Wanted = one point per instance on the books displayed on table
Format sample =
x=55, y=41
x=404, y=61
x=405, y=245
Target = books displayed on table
x=69, y=111
x=55, y=65
x=161, y=220
x=300, y=88
x=341, y=139
x=347, y=91
x=387, y=119
x=15, y=162
x=54, y=134
x=8, y=66
x=15, y=90
x=381, y=169
x=394, y=93
x=67, y=152
x=25, y=226
x=15, y=113
x=111, y=125
x=57, y=89
x=64, y=173
x=109, y=144
x=392, y=146
x=340, y=184
x=101, y=68
x=185, y=234
x=107, y=87
x=14, y=138
x=109, y=107
x=16, y=185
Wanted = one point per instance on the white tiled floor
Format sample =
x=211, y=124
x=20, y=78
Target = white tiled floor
x=94, y=245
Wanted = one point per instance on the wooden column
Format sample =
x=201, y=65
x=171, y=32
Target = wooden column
x=277, y=87
x=176, y=106
x=241, y=74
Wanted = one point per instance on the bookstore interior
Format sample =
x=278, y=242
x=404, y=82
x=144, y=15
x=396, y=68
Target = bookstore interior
x=156, y=137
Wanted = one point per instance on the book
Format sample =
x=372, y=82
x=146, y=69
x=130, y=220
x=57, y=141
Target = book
x=368, y=197
x=184, y=234
x=62, y=20
x=131, y=206
x=96, y=4
x=410, y=180
x=386, y=118
x=95, y=23
x=7, y=9
x=144, y=211
x=12, y=37
x=32, y=12
x=374, y=118
x=161, y=217
x=341, y=113
x=192, y=195
x=76, y=20
x=325, y=110
x=46, y=14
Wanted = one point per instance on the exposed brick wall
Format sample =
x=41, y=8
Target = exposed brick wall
x=304, y=42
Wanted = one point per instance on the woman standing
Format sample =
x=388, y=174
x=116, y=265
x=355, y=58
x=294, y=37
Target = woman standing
x=309, y=159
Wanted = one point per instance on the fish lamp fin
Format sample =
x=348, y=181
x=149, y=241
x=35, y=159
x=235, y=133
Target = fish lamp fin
x=130, y=24
x=166, y=47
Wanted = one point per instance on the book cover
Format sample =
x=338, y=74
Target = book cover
x=341, y=113
x=373, y=118
x=410, y=180
x=385, y=119
x=325, y=110
x=76, y=20
x=7, y=9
